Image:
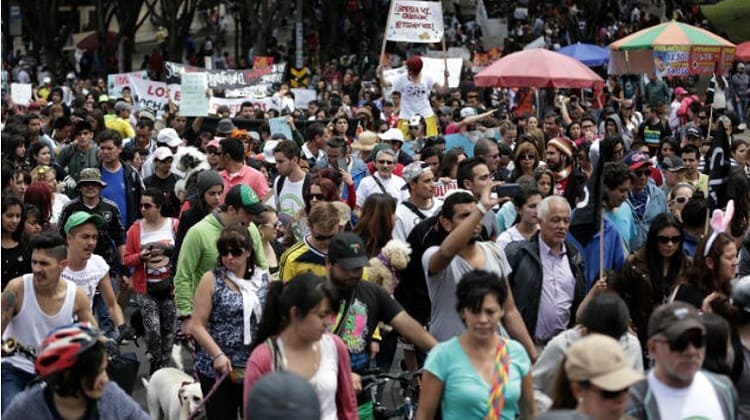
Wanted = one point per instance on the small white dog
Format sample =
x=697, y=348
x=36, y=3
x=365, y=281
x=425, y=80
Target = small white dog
x=172, y=394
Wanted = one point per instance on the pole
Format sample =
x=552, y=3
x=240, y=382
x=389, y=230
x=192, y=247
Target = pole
x=385, y=33
x=445, y=60
x=601, y=243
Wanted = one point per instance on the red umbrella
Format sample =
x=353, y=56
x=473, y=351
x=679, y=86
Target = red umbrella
x=538, y=68
x=91, y=41
x=743, y=52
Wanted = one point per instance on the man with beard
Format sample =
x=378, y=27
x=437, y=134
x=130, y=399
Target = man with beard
x=676, y=387
x=34, y=134
x=363, y=305
x=35, y=303
x=547, y=278
x=460, y=252
x=569, y=180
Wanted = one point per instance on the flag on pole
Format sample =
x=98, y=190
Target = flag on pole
x=415, y=21
x=718, y=167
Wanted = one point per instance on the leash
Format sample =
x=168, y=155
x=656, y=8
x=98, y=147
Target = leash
x=210, y=393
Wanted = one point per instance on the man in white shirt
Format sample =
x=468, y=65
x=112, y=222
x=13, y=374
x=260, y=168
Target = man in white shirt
x=677, y=388
x=383, y=181
x=288, y=186
x=421, y=204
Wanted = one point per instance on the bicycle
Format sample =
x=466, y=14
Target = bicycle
x=408, y=388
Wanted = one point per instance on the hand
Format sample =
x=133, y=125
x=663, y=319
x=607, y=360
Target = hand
x=222, y=364
x=374, y=348
x=356, y=383
x=145, y=254
x=290, y=121
x=709, y=300
x=126, y=282
x=486, y=199
x=446, y=73
x=186, y=326
x=600, y=286
x=347, y=176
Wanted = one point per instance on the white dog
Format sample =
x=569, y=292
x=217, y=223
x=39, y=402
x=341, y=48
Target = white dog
x=172, y=394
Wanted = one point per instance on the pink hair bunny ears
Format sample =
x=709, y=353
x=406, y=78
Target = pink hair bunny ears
x=719, y=223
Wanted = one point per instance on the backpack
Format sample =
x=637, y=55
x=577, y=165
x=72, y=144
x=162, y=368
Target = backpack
x=280, y=185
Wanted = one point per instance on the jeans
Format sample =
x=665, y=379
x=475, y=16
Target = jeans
x=14, y=380
x=101, y=312
x=741, y=107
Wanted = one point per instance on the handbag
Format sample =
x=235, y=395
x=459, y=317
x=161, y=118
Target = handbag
x=159, y=288
x=496, y=400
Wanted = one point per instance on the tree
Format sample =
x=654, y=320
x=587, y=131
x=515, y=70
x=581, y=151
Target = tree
x=258, y=18
x=49, y=30
x=129, y=21
x=176, y=16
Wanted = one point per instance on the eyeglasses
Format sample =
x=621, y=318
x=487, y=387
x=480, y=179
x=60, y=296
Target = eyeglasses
x=385, y=162
x=323, y=237
x=236, y=252
x=669, y=239
x=643, y=173
x=680, y=200
x=681, y=343
x=528, y=157
x=318, y=197
x=146, y=205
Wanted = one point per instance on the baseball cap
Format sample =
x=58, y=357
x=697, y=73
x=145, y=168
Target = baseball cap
x=225, y=127
x=673, y=320
x=600, y=360
x=414, y=64
x=162, y=153
x=393, y=134
x=347, y=250
x=740, y=66
x=741, y=294
x=91, y=175
x=46, y=80
x=679, y=90
x=468, y=112
x=693, y=131
x=215, y=143
x=169, y=137
x=282, y=394
x=672, y=163
x=636, y=160
x=242, y=196
x=268, y=156
x=413, y=171
x=81, y=217
x=122, y=106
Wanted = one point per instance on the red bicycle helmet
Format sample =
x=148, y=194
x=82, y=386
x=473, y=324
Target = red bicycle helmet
x=62, y=347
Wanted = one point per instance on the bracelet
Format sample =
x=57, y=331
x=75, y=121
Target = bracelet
x=481, y=209
x=221, y=353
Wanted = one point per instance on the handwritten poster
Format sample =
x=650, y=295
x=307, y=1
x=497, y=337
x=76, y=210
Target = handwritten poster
x=20, y=93
x=415, y=21
x=194, y=91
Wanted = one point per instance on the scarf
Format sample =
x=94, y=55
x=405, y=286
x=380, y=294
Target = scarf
x=250, y=301
x=496, y=401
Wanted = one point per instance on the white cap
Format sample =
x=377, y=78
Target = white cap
x=46, y=80
x=468, y=112
x=393, y=134
x=162, y=153
x=169, y=137
x=268, y=156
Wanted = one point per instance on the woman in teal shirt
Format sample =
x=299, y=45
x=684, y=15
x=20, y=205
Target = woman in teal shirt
x=478, y=374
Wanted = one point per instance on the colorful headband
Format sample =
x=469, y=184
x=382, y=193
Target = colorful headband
x=719, y=223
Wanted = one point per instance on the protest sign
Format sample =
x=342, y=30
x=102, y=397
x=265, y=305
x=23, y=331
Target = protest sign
x=433, y=67
x=115, y=82
x=20, y=93
x=453, y=141
x=234, y=104
x=194, y=92
x=279, y=125
x=415, y=21
x=255, y=83
x=302, y=97
x=153, y=95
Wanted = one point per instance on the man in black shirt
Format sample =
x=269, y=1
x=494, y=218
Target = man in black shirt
x=164, y=180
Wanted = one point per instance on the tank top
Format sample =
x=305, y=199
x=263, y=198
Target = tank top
x=32, y=325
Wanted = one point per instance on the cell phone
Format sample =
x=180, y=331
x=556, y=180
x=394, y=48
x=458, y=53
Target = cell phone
x=508, y=190
x=341, y=163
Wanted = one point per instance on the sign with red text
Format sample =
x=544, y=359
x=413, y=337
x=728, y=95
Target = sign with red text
x=415, y=21
x=691, y=60
x=115, y=82
x=153, y=95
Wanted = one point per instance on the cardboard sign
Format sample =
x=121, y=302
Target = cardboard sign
x=279, y=125
x=194, y=91
x=153, y=95
x=415, y=21
x=20, y=93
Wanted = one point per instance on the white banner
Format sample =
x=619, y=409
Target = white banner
x=234, y=104
x=433, y=67
x=20, y=93
x=302, y=97
x=153, y=95
x=415, y=21
x=115, y=82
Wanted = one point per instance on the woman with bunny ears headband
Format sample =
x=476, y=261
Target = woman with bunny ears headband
x=708, y=283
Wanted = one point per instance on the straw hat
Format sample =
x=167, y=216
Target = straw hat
x=366, y=141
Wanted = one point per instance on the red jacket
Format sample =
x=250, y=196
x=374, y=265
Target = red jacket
x=261, y=363
x=133, y=254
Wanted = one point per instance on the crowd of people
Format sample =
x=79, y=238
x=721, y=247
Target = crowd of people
x=260, y=248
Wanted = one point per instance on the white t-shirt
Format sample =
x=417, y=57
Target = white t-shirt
x=290, y=197
x=392, y=186
x=88, y=278
x=698, y=401
x=415, y=97
x=406, y=219
x=510, y=235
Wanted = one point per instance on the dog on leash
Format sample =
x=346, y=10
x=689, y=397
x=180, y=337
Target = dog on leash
x=172, y=394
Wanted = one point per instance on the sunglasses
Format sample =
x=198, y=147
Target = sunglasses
x=643, y=173
x=611, y=395
x=146, y=205
x=236, y=252
x=323, y=237
x=681, y=343
x=167, y=160
x=385, y=162
x=663, y=239
x=318, y=197
x=212, y=152
x=528, y=157
x=680, y=200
